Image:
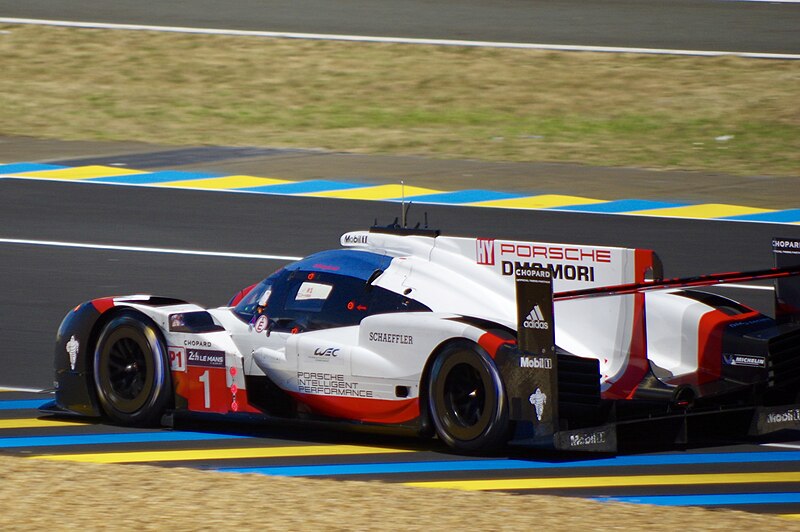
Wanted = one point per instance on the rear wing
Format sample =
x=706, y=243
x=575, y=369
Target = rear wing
x=573, y=266
x=558, y=406
x=787, y=289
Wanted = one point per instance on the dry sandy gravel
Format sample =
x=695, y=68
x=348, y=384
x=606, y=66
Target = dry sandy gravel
x=44, y=495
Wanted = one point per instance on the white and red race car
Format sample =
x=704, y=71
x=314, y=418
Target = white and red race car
x=482, y=342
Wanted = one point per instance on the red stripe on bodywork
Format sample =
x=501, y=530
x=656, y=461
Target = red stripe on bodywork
x=103, y=304
x=638, y=365
x=240, y=295
x=644, y=260
x=362, y=409
x=191, y=391
x=492, y=342
x=711, y=330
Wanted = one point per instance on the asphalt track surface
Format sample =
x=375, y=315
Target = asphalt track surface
x=716, y=25
x=39, y=283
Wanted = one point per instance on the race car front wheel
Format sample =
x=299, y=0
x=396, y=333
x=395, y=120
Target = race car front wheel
x=131, y=371
x=466, y=399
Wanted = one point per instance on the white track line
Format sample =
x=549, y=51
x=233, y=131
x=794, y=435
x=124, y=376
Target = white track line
x=396, y=40
x=112, y=247
x=16, y=389
x=781, y=445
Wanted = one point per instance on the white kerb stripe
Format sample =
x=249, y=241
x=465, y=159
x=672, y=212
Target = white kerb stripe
x=113, y=247
x=397, y=40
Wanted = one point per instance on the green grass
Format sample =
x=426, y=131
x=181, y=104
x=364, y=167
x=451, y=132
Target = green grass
x=449, y=102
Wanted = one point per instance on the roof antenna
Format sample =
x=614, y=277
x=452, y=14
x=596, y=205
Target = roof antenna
x=403, y=204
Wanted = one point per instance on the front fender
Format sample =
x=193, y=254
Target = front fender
x=77, y=334
x=73, y=376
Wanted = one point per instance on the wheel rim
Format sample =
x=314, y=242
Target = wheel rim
x=127, y=369
x=464, y=395
x=466, y=398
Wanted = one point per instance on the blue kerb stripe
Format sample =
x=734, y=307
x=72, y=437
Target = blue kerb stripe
x=18, y=168
x=95, y=439
x=304, y=187
x=708, y=500
x=462, y=196
x=23, y=404
x=787, y=216
x=489, y=465
x=153, y=178
x=619, y=206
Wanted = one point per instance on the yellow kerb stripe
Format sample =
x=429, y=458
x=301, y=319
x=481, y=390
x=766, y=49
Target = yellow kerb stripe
x=31, y=423
x=226, y=183
x=613, y=481
x=377, y=192
x=81, y=172
x=544, y=201
x=219, y=454
x=707, y=210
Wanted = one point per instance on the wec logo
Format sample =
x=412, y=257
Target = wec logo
x=327, y=352
x=535, y=320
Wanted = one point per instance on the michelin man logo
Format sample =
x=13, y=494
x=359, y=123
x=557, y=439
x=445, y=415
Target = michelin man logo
x=538, y=399
x=72, y=349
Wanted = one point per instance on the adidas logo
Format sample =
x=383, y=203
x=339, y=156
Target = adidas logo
x=535, y=320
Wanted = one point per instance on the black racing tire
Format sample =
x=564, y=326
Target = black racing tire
x=466, y=399
x=131, y=370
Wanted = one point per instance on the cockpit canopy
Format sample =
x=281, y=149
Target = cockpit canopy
x=325, y=290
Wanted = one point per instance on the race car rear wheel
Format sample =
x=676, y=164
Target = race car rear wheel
x=466, y=399
x=131, y=370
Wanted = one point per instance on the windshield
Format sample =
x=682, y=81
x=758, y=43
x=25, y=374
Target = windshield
x=258, y=296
